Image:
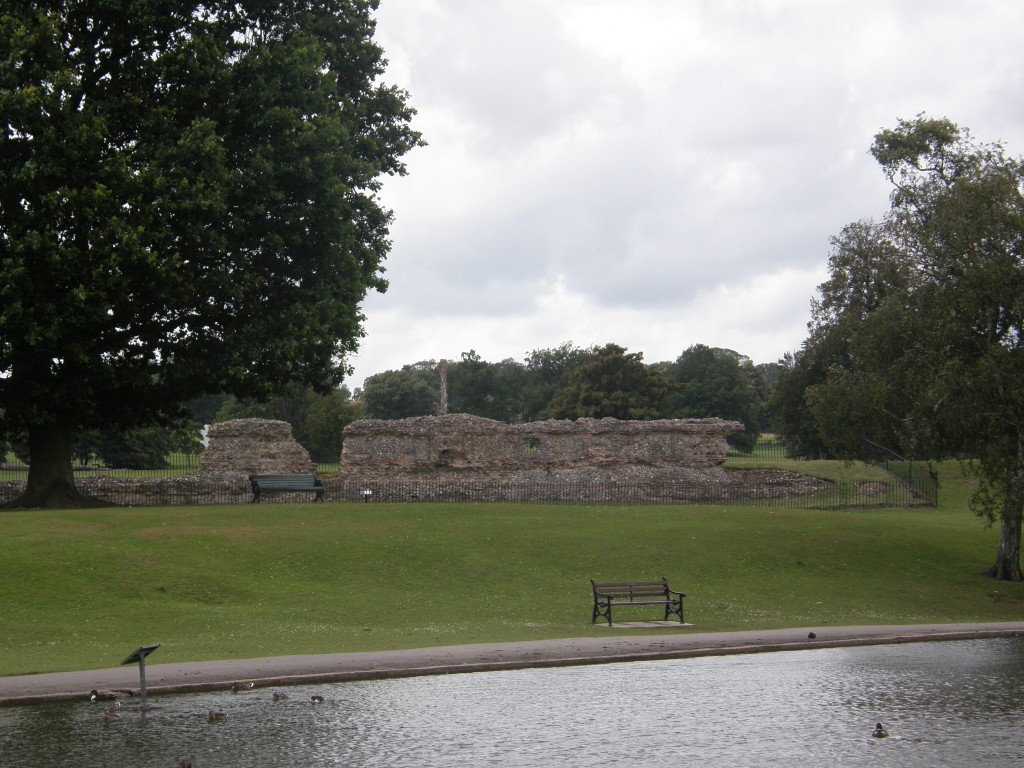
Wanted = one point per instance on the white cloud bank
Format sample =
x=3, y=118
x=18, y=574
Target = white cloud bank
x=655, y=173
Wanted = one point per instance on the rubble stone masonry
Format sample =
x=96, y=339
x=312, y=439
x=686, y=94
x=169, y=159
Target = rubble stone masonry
x=254, y=447
x=473, y=448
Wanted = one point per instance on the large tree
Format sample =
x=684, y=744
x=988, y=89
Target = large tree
x=547, y=373
x=491, y=390
x=616, y=384
x=188, y=204
x=715, y=382
x=922, y=320
x=412, y=391
x=851, y=345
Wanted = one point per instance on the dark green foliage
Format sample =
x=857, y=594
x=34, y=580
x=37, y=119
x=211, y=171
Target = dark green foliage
x=324, y=424
x=614, y=384
x=791, y=417
x=136, y=448
x=318, y=421
x=506, y=391
x=491, y=390
x=918, y=339
x=570, y=382
x=140, y=448
x=547, y=373
x=719, y=383
x=187, y=204
x=412, y=391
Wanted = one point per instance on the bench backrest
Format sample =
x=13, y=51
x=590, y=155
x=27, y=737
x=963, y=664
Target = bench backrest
x=629, y=590
x=284, y=481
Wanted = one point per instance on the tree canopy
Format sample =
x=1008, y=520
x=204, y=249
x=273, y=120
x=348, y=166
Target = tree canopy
x=412, y=391
x=614, y=383
x=715, y=382
x=491, y=390
x=188, y=204
x=547, y=374
x=917, y=337
x=572, y=382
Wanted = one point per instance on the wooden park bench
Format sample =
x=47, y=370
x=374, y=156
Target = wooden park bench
x=627, y=593
x=285, y=484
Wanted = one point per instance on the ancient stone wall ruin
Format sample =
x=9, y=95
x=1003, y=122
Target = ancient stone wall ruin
x=254, y=447
x=470, y=448
x=466, y=458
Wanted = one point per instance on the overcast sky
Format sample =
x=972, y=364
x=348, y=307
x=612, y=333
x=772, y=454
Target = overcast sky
x=655, y=173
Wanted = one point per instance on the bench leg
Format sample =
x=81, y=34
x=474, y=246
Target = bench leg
x=674, y=608
x=606, y=613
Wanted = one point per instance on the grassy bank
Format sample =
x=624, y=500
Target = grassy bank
x=80, y=589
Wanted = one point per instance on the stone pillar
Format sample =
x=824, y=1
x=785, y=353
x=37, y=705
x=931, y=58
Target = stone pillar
x=442, y=406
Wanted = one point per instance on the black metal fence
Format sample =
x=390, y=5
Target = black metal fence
x=742, y=489
x=746, y=488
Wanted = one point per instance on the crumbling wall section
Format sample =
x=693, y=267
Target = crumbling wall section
x=447, y=448
x=254, y=447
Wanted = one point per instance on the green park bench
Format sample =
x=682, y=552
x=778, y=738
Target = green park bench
x=262, y=484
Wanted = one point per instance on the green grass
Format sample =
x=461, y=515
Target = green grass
x=80, y=589
x=837, y=471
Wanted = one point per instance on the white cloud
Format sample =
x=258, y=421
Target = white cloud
x=655, y=173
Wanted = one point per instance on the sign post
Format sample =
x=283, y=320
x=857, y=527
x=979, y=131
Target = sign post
x=139, y=655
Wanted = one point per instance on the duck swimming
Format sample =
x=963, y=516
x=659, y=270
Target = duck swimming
x=879, y=732
x=316, y=699
x=216, y=717
x=280, y=696
x=238, y=687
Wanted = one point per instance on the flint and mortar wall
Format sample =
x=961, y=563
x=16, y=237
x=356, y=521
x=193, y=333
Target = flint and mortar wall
x=473, y=448
x=254, y=447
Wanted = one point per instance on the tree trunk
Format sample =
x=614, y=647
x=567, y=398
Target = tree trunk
x=1007, y=564
x=51, y=482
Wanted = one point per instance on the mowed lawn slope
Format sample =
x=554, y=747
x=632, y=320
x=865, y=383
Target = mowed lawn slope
x=81, y=589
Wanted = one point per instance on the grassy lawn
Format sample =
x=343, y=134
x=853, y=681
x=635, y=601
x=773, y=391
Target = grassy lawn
x=80, y=589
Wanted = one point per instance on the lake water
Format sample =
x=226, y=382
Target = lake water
x=944, y=703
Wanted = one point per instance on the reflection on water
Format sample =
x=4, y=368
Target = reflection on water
x=945, y=704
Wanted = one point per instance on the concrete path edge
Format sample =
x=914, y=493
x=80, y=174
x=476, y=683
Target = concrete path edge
x=194, y=677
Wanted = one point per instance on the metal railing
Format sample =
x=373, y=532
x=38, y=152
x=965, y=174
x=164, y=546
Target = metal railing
x=808, y=493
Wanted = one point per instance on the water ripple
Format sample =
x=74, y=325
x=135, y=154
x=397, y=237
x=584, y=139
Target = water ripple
x=950, y=703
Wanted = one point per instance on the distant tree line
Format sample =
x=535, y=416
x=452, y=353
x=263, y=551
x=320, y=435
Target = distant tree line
x=564, y=382
x=571, y=382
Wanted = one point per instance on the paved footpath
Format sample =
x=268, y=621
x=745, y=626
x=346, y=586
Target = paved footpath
x=672, y=643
